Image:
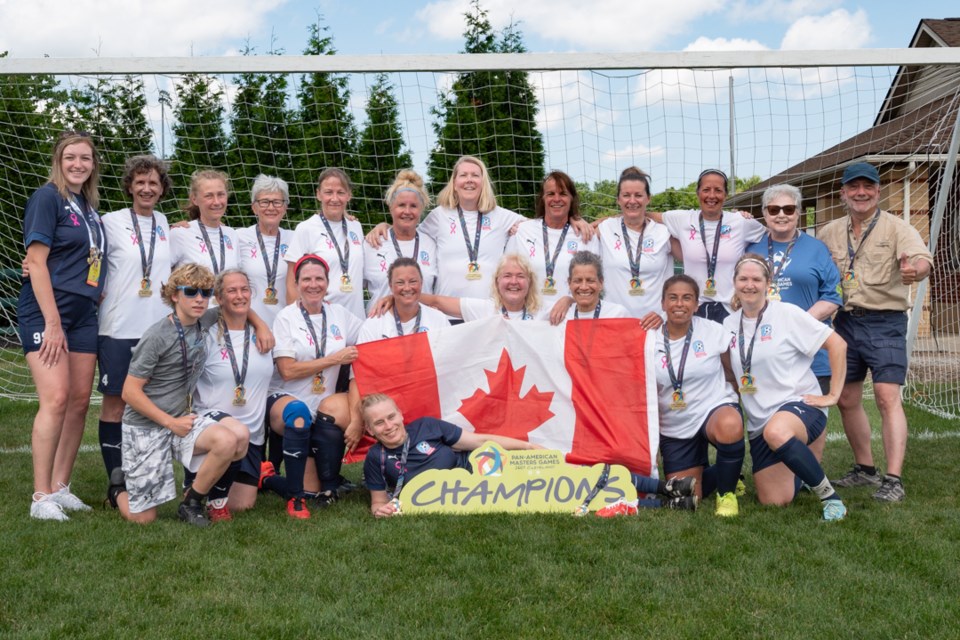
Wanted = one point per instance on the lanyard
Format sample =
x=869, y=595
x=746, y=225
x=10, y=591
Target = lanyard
x=271, y=271
x=863, y=240
x=401, y=472
x=95, y=234
x=416, y=244
x=343, y=256
x=223, y=248
x=523, y=314
x=635, y=263
x=747, y=359
x=676, y=376
x=320, y=347
x=472, y=250
x=146, y=262
x=711, y=258
x=239, y=374
x=551, y=262
x=416, y=326
x=778, y=269
x=188, y=366
x=596, y=311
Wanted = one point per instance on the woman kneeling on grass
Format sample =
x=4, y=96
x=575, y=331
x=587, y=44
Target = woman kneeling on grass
x=159, y=424
x=774, y=344
x=435, y=445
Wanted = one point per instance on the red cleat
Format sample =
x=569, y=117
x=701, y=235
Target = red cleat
x=619, y=508
x=297, y=508
x=219, y=514
x=266, y=471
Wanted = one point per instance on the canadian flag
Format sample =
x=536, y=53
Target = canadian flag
x=585, y=388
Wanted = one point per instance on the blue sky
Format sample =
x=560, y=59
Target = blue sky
x=591, y=122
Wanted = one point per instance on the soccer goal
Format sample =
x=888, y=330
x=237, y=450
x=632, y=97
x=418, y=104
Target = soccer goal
x=763, y=117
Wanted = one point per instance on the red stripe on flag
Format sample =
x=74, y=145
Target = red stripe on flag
x=605, y=361
x=403, y=369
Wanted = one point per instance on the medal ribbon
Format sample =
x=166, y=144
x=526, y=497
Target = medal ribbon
x=416, y=244
x=239, y=374
x=344, y=256
x=472, y=250
x=711, y=258
x=596, y=311
x=223, y=248
x=271, y=272
x=676, y=376
x=549, y=262
x=188, y=366
x=635, y=264
x=319, y=347
x=777, y=270
x=416, y=326
x=863, y=240
x=95, y=232
x=523, y=314
x=401, y=472
x=146, y=263
x=747, y=359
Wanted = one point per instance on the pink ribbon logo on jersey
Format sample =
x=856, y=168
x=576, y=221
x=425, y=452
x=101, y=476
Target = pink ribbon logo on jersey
x=223, y=353
x=74, y=220
x=693, y=233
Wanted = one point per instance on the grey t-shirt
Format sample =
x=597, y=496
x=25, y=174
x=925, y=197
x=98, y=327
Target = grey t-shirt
x=157, y=358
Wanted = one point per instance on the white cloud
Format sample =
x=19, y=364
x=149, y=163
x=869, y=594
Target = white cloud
x=837, y=30
x=120, y=28
x=601, y=25
x=778, y=10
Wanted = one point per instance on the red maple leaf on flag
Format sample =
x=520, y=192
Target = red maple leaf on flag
x=501, y=410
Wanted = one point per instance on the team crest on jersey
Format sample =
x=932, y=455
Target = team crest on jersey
x=766, y=333
x=725, y=231
x=226, y=241
x=425, y=447
x=648, y=245
x=283, y=249
x=572, y=246
x=485, y=223
x=335, y=332
x=698, y=349
x=425, y=258
x=161, y=234
x=353, y=238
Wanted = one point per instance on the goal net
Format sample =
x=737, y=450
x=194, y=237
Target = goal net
x=764, y=118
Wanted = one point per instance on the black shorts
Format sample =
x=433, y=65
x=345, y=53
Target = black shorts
x=876, y=341
x=686, y=453
x=78, y=318
x=113, y=362
x=813, y=419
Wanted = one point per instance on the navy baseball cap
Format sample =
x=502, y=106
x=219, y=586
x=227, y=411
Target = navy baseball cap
x=860, y=170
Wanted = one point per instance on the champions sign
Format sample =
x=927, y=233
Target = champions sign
x=515, y=481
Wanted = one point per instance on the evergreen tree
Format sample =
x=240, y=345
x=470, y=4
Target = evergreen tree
x=492, y=115
x=380, y=153
x=258, y=124
x=323, y=131
x=200, y=142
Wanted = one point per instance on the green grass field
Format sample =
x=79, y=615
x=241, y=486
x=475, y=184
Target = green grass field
x=887, y=571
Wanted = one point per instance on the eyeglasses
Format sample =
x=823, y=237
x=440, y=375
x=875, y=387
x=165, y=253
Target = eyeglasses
x=193, y=292
x=788, y=210
x=266, y=204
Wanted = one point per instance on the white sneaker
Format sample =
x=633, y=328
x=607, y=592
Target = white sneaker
x=44, y=507
x=67, y=500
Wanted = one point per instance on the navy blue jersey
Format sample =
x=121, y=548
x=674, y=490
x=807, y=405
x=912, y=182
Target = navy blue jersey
x=50, y=220
x=431, y=442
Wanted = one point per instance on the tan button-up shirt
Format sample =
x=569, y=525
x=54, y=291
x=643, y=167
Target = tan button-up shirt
x=877, y=263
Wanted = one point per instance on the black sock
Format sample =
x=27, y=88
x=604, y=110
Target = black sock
x=870, y=471
x=328, y=446
x=111, y=436
x=729, y=462
x=897, y=478
x=296, y=449
x=799, y=459
x=221, y=488
x=193, y=496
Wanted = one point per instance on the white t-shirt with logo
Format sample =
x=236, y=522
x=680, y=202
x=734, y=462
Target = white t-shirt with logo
x=251, y=261
x=655, y=263
x=187, y=245
x=376, y=263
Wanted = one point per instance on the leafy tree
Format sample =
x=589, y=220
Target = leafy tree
x=491, y=115
x=599, y=201
x=671, y=198
x=258, y=125
x=323, y=131
x=380, y=152
x=198, y=128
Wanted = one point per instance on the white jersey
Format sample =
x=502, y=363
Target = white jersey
x=216, y=386
x=385, y=326
x=788, y=339
x=295, y=341
x=607, y=310
x=124, y=313
x=736, y=232
x=311, y=236
x=655, y=264
x=187, y=245
x=252, y=262
x=443, y=225
x=479, y=308
x=376, y=263
x=704, y=385
x=528, y=242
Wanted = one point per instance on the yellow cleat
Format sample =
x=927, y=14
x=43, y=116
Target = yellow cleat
x=727, y=506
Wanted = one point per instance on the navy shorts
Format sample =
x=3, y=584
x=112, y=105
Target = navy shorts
x=876, y=341
x=813, y=419
x=113, y=362
x=712, y=311
x=78, y=317
x=249, y=473
x=686, y=453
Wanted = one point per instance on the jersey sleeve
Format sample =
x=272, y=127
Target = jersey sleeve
x=430, y=226
x=146, y=354
x=753, y=230
x=40, y=217
x=449, y=433
x=829, y=290
x=372, y=474
x=285, y=346
x=673, y=221
x=475, y=308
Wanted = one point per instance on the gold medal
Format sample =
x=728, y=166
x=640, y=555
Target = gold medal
x=145, y=291
x=239, y=396
x=473, y=271
x=849, y=281
x=345, y=285
x=636, y=287
x=678, y=404
x=710, y=287
x=270, y=296
x=93, y=274
x=549, y=287
x=773, y=292
x=318, y=386
x=747, y=384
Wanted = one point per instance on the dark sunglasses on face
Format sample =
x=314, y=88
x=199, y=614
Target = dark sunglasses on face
x=193, y=292
x=788, y=210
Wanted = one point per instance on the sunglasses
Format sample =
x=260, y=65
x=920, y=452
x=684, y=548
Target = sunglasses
x=788, y=210
x=193, y=292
